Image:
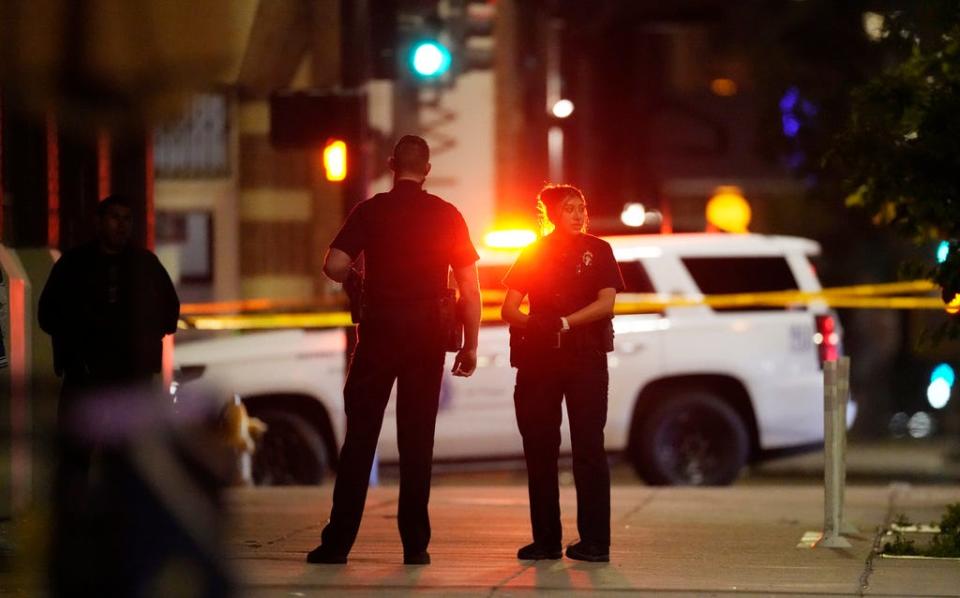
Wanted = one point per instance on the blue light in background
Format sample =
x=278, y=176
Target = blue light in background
x=789, y=99
x=791, y=126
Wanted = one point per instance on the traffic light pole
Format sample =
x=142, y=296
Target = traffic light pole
x=406, y=109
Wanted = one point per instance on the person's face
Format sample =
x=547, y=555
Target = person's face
x=115, y=227
x=573, y=215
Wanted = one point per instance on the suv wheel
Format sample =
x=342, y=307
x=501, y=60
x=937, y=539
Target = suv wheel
x=291, y=453
x=692, y=439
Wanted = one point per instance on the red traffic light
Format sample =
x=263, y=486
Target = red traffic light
x=335, y=160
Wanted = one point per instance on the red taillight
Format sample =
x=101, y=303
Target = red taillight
x=827, y=338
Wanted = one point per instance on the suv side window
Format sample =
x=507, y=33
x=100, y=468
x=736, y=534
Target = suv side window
x=636, y=280
x=748, y=274
x=635, y=277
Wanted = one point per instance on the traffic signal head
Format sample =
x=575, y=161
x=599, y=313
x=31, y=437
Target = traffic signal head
x=335, y=160
x=429, y=59
x=947, y=275
x=430, y=43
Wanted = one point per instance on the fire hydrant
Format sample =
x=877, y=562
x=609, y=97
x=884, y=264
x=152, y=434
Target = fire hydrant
x=242, y=433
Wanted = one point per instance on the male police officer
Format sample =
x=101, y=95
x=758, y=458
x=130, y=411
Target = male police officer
x=409, y=239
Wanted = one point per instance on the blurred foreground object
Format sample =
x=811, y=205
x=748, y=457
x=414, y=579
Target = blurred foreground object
x=116, y=63
x=152, y=520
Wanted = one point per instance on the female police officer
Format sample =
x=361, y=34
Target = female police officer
x=559, y=350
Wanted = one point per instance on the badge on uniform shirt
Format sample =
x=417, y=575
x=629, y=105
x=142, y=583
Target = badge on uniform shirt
x=585, y=262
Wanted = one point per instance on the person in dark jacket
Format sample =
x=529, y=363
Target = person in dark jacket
x=560, y=351
x=107, y=306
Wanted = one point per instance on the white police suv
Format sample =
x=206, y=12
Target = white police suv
x=695, y=392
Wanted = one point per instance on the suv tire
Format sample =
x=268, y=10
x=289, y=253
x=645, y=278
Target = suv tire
x=292, y=452
x=694, y=438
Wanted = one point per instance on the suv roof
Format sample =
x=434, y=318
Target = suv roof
x=628, y=247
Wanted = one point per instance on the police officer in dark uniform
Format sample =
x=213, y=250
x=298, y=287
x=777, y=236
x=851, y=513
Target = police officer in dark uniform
x=409, y=239
x=560, y=351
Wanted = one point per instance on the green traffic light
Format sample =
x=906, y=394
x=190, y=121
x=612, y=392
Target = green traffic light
x=430, y=59
x=943, y=251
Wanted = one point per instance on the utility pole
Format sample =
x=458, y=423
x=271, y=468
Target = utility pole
x=554, y=82
x=354, y=75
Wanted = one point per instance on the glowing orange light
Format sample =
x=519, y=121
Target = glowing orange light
x=509, y=239
x=724, y=87
x=954, y=306
x=728, y=210
x=335, y=160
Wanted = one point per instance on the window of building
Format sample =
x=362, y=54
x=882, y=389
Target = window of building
x=197, y=145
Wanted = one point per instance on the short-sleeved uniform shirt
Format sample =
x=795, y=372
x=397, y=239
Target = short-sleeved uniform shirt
x=564, y=274
x=409, y=239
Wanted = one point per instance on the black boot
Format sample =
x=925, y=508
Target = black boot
x=322, y=555
x=536, y=552
x=586, y=551
x=416, y=558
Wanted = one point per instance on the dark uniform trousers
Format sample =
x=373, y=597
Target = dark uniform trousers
x=542, y=383
x=409, y=349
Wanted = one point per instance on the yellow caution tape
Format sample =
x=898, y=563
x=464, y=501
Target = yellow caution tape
x=262, y=304
x=886, y=288
x=867, y=296
x=265, y=321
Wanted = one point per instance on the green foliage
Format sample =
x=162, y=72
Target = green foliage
x=945, y=544
x=900, y=547
x=900, y=150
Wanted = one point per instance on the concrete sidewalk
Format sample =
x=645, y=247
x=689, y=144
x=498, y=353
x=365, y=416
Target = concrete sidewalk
x=679, y=541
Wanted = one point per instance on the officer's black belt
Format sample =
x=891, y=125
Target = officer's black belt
x=408, y=308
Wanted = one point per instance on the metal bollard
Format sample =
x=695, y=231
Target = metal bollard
x=836, y=385
x=843, y=402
